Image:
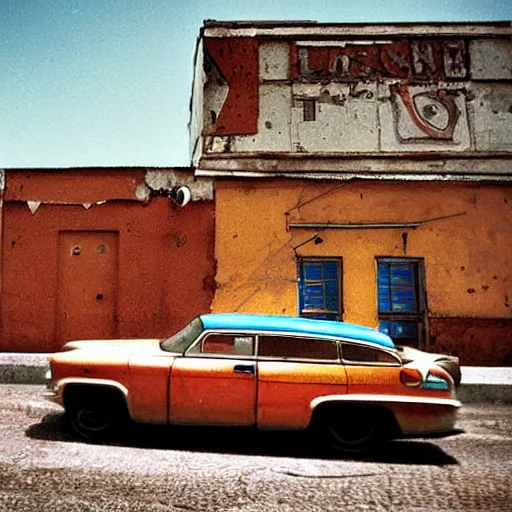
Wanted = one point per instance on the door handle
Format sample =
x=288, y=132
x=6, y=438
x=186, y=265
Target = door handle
x=245, y=368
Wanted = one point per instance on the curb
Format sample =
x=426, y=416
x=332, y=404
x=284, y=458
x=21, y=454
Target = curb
x=479, y=384
x=23, y=368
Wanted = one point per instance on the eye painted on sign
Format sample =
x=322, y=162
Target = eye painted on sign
x=435, y=113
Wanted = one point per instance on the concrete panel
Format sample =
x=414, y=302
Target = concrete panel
x=274, y=59
x=345, y=118
x=423, y=118
x=491, y=59
x=492, y=106
x=273, y=123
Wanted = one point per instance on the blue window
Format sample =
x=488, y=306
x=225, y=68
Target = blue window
x=319, y=288
x=397, y=287
x=399, y=299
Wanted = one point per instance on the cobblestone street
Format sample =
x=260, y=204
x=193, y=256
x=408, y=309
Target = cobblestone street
x=44, y=467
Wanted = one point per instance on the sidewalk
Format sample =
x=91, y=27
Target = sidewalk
x=479, y=384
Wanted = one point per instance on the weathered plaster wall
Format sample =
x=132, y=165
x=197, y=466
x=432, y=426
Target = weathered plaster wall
x=466, y=250
x=165, y=254
x=392, y=96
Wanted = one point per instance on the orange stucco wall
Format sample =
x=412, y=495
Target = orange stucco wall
x=165, y=262
x=467, y=254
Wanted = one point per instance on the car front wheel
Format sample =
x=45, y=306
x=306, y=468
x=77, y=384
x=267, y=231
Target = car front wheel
x=94, y=417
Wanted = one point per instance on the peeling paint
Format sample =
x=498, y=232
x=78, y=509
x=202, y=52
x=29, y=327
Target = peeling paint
x=142, y=192
x=169, y=180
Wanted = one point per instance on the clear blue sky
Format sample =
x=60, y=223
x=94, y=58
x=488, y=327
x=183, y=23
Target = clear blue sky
x=107, y=82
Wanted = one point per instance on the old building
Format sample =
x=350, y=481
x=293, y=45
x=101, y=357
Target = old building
x=363, y=174
x=102, y=253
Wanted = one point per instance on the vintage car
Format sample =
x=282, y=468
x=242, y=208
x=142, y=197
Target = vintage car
x=347, y=383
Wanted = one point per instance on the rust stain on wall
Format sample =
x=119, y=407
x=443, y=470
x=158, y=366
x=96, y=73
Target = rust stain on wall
x=476, y=341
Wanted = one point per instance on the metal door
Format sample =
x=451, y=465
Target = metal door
x=87, y=285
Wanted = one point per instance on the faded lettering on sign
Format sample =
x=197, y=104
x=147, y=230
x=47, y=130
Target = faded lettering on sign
x=418, y=60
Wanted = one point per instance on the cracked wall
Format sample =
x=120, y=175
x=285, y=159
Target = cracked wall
x=467, y=271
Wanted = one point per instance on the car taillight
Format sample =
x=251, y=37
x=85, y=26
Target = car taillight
x=410, y=377
x=436, y=382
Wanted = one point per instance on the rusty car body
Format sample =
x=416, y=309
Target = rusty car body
x=267, y=372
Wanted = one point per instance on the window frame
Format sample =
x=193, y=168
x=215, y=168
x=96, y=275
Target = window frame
x=308, y=110
x=417, y=316
x=302, y=312
x=349, y=362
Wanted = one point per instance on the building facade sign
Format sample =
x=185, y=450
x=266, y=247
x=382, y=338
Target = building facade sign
x=412, y=60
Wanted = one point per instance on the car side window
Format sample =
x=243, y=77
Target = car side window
x=225, y=344
x=354, y=353
x=292, y=347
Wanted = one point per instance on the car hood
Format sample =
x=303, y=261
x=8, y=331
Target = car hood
x=119, y=344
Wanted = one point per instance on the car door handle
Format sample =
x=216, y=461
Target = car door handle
x=245, y=368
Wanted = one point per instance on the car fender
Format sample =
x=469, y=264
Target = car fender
x=383, y=399
x=61, y=385
x=414, y=414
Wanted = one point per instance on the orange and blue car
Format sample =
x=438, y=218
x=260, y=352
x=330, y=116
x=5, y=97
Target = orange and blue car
x=348, y=383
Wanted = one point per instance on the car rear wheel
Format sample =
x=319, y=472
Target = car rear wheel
x=351, y=430
x=358, y=438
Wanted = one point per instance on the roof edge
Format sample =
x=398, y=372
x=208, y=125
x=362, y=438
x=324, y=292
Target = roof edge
x=321, y=30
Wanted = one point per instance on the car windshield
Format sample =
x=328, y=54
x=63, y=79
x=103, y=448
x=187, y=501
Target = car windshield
x=180, y=341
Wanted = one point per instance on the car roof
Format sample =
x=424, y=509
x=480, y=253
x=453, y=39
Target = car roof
x=295, y=325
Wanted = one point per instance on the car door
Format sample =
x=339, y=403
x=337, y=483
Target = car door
x=293, y=371
x=214, y=383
